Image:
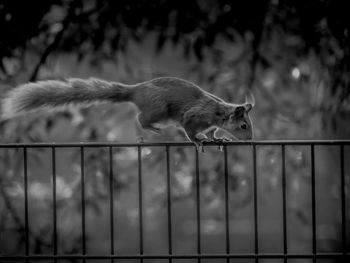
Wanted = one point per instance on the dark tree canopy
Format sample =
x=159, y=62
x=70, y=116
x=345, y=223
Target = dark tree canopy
x=104, y=28
x=109, y=24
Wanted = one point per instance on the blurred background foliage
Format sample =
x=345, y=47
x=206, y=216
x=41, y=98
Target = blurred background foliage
x=292, y=55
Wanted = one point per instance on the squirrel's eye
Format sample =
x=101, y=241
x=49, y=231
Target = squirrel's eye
x=243, y=126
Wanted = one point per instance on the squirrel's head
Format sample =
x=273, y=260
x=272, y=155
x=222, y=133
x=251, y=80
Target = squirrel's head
x=238, y=122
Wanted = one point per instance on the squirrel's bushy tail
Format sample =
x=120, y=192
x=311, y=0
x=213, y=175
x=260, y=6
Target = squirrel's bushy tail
x=58, y=93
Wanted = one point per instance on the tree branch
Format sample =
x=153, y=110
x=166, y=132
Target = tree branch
x=65, y=23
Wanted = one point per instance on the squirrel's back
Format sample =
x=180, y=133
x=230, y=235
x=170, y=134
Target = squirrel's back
x=168, y=89
x=167, y=97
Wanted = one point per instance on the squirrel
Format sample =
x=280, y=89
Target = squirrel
x=197, y=111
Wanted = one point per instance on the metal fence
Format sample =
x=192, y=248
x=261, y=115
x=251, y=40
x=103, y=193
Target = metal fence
x=342, y=256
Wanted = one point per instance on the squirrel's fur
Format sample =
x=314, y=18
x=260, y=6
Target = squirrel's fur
x=158, y=100
x=55, y=93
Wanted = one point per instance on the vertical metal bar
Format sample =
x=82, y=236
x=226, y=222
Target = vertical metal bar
x=26, y=217
x=111, y=199
x=343, y=204
x=227, y=220
x=284, y=202
x=83, y=200
x=313, y=192
x=256, y=243
x=168, y=185
x=140, y=199
x=198, y=211
x=54, y=200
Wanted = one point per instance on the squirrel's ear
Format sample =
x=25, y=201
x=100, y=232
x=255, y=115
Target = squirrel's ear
x=249, y=101
x=248, y=107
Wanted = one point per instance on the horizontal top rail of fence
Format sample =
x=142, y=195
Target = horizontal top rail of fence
x=182, y=143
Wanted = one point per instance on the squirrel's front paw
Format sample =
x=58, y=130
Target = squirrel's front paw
x=205, y=140
x=221, y=140
x=199, y=145
x=217, y=139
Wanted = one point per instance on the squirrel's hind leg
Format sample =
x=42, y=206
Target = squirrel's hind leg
x=147, y=124
x=192, y=136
